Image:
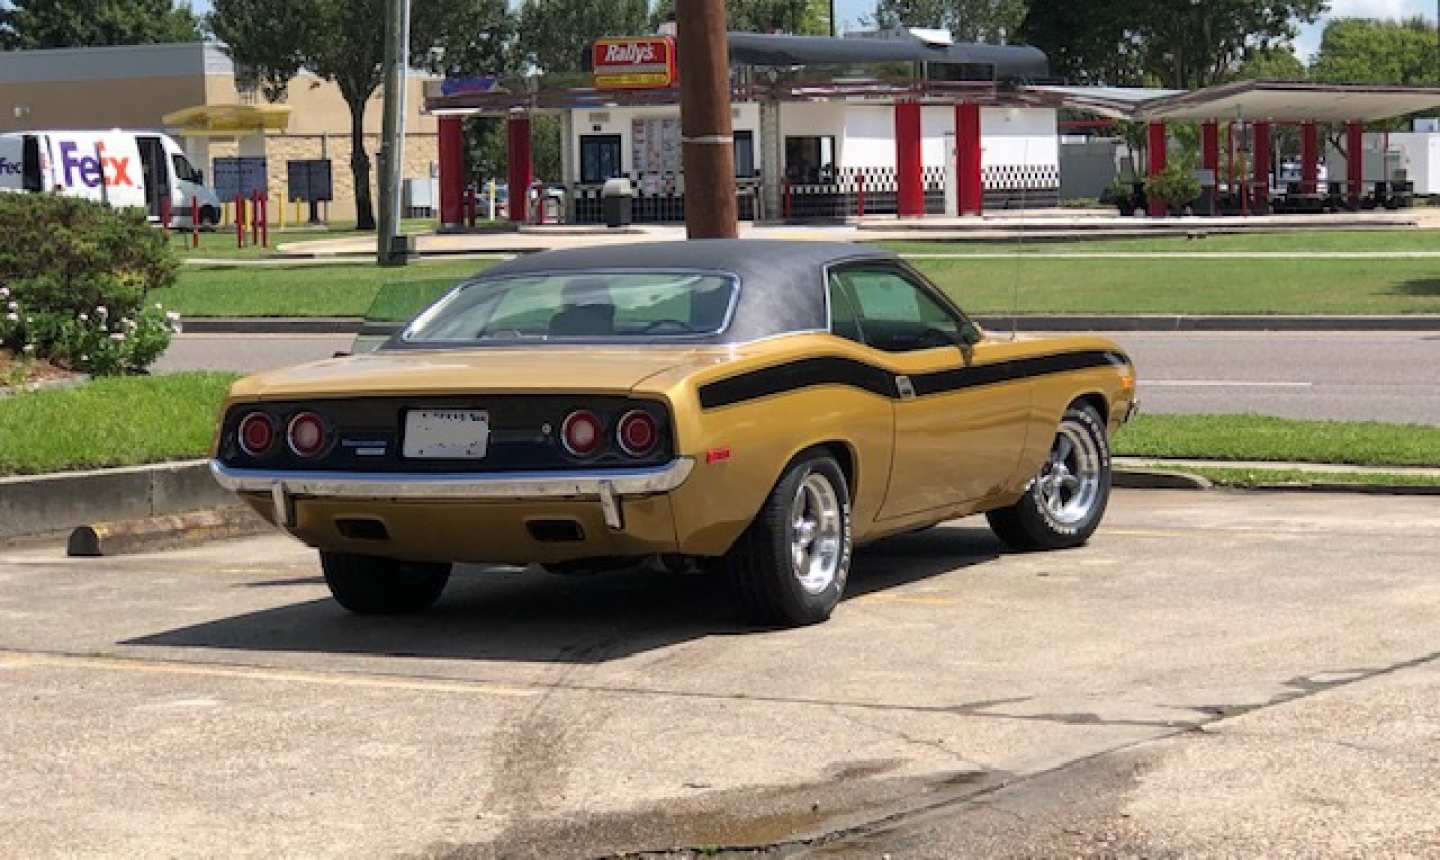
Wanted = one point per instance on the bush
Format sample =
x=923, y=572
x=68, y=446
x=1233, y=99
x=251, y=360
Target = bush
x=73, y=280
x=1176, y=185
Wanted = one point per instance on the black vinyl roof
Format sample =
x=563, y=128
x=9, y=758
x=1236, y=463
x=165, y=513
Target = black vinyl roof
x=764, y=49
x=782, y=284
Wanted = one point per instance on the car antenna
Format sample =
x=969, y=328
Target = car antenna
x=1019, y=252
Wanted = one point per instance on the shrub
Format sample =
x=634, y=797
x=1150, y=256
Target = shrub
x=1176, y=185
x=74, y=275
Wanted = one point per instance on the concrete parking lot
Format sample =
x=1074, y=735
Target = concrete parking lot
x=1217, y=673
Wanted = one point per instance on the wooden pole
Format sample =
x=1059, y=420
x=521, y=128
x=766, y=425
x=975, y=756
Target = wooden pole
x=706, y=136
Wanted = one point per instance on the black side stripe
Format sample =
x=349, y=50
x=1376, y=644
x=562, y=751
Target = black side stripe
x=832, y=370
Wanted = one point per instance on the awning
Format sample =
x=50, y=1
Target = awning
x=227, y=120
x=1251, y=101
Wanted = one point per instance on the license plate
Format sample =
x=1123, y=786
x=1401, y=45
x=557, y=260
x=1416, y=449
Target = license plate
x=446, y=434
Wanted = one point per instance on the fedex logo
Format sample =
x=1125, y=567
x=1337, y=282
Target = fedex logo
x=94, y=169
x=14, y=168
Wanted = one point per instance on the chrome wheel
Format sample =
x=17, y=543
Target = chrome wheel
x=1070, y=482
x=817, y=533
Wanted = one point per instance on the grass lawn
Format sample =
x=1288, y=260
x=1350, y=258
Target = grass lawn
x=1256, y=437
x=1295, y=241
x=220, y=244
x=122, y=421
x=1270, y=477
x=306, y=290
x=1297, y=286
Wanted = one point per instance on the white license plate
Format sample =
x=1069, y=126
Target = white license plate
x=446, y=434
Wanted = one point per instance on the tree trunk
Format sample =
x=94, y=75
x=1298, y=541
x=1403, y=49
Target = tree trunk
x=360, y=166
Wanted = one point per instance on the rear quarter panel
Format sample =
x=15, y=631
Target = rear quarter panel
x=1055, y=392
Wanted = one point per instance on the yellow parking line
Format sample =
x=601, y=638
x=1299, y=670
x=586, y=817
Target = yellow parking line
x=24, y=659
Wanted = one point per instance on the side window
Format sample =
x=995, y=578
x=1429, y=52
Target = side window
x=183, y=170
x=844, y=315
x=896, y=315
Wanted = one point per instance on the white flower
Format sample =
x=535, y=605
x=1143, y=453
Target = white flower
x=84, y=357
x=13, y=317
x=14, y=306
x=29, y=349
x=102, y=311
x=84, y=318
x=29, y=320
x=118, y=336
x=159, y=307
x=4, y=292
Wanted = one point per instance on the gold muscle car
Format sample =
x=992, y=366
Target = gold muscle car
x=754, y=407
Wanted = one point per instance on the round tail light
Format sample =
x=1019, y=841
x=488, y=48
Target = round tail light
x=581, y=433
x=637, y=433
x=256, y=434
x=306, y=434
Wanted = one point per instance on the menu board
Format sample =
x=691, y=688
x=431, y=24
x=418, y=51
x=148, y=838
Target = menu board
x=655, y=145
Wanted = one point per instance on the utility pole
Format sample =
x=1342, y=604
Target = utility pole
x=706, y=136
x=392, y=142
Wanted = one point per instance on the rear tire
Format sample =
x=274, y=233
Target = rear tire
x=368, y=585
x=790, y=566
x=1064, y=503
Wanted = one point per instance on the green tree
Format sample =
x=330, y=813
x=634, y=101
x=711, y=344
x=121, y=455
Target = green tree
x=1362, y=51
x=554, y=34
x=1183, y=44
x=343, y=41
x=797, y=17
x=86, y=23
x=1271, y=64
x=967, y=20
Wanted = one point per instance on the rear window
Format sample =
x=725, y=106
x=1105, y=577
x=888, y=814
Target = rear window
x=579, y=306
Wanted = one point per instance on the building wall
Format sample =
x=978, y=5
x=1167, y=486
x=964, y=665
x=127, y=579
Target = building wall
x=620, y=120
x=99, y=104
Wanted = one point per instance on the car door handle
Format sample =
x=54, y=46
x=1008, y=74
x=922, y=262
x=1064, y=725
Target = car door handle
x=905, y=387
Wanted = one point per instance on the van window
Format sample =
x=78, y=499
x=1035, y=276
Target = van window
x=183, y=171
x=31, y=159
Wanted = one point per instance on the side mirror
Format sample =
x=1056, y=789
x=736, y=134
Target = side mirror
x=971, y=333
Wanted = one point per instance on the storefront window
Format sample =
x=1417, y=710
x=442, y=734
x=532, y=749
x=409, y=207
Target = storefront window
x=810, y=159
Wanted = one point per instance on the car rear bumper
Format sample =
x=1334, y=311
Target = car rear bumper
x=607, y=486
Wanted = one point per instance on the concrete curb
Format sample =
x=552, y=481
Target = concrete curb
x=1138, y=478
x=128, y=537
x=33, y=504
x=1036, y=323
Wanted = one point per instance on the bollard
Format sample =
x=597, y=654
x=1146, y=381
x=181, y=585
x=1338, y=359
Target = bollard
x=264, y=220
x=254, y=217
x=787, y=200
x=239, y=220
x=165, y=205
x=860, y=197
x=194, y=222
x=470, y=206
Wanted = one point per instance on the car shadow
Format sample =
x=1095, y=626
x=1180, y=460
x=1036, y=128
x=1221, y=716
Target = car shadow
x=1419, y=287
x=508, y=614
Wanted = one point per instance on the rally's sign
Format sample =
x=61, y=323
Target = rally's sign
x=646, y=62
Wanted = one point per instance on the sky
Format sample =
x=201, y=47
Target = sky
x=851, y=11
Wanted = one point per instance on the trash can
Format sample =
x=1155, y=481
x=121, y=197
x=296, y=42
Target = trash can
x=618, y=199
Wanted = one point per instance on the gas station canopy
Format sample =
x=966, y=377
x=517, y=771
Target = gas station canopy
x=1252, y=101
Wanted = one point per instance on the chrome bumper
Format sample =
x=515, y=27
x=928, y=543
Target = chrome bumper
x=606, y=485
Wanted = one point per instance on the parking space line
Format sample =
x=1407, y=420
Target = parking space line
x=24, y=659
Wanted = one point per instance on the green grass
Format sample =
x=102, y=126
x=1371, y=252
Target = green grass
x=307, y=290
x=123, y=421
x=1247, y=478
x=220, y=244
x=1140, y=286
x=1257, y=437
x=1295, y=241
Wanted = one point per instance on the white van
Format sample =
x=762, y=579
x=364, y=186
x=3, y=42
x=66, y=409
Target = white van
x=122, y=168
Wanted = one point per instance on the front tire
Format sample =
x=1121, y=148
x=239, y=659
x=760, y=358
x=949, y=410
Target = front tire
x=1065, y=502
x=790, y=566
x=368, y=585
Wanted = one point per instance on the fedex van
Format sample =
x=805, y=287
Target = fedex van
x=122, y=168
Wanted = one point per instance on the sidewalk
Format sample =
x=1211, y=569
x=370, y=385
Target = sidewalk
x=1260, y=465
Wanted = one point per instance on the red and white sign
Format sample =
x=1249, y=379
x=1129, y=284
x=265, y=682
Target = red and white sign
x=634, y=63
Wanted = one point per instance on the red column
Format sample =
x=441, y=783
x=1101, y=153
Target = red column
x=452, y=173
x=1210, y=157
x=909, y=178
x=517, y=153
x=1355, y=160
x=971, y=194
x=1261, y=153
x=1309, y=158
x=1156, y=150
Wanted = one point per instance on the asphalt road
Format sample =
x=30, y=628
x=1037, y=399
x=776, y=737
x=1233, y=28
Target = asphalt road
x=1216, y=674
x=1348, y=376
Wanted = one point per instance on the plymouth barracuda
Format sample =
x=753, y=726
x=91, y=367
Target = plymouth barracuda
x=755, y=408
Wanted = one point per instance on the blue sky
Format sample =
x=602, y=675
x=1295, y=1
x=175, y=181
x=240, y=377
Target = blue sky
x=851, y=11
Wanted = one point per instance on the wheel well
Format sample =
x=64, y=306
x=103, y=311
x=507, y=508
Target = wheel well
x=1096, y=401
x=846, y=458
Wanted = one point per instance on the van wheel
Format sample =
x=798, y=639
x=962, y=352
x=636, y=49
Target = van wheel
x=1065, y=502
x=790, y=566
x=368, y=585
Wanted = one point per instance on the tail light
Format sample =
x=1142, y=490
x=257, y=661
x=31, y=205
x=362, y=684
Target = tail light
x=306, y=434
x=256, y=434
x=637, y=434
x=581, y=433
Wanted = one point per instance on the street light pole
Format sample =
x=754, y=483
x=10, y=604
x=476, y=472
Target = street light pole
x=706, y=135
x=392, y=141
